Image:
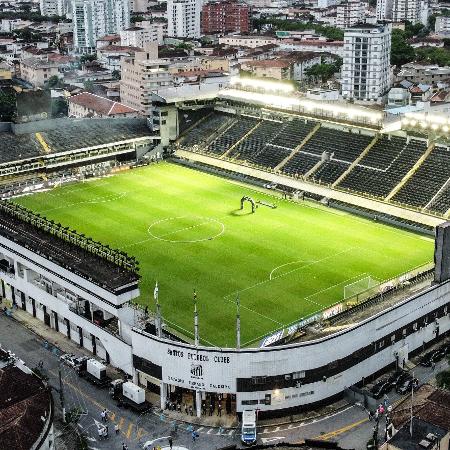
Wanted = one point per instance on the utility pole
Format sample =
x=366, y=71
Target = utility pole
x=411, y=411
x=158, y=311
x=238, y=323
x=61, y=393
x=196, y=335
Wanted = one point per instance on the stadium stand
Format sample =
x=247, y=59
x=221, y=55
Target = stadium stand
x=17, y=147
x=293, y=133
x=201, y=133
x=232, y=135
x=442, y=202
x=300, y=163
x=429, y=178
x=384, y=166
x=80, y=135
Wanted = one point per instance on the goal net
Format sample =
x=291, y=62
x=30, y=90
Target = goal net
x=352, y=289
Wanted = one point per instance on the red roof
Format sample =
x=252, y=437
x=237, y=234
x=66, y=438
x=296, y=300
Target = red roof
x=100, y=105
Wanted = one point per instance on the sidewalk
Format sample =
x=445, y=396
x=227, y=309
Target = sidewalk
x=55, y=338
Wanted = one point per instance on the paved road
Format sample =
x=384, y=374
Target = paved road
x=350, y=426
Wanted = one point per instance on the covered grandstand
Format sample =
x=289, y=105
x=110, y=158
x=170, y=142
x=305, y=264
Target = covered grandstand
x=36, y=151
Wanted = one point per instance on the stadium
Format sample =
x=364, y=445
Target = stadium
x=222, y=246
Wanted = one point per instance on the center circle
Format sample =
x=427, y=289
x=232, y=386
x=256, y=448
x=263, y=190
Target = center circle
x=186, y=229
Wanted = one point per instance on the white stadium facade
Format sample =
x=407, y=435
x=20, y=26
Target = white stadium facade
x=67, y=293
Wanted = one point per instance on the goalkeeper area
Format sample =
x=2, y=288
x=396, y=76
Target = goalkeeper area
x=285, y=261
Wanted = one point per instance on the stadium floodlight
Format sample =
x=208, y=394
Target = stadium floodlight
x=266, y=85
x=434, y=126
x=445, y=129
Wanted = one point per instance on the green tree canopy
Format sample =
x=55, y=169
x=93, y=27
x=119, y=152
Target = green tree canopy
x=401, y=51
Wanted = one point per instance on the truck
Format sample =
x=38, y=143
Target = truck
x=248, y=430
x=129, y=395
x=94, y=371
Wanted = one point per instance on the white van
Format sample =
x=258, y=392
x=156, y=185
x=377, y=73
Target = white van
x=248, y=431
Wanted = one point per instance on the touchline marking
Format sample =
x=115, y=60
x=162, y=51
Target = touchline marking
x=103, y=199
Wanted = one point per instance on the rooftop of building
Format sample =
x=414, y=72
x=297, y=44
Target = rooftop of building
x=25, y=404
x=430, y=404
x=36, y=63
x=101, y=105
x=110, y=38
x=36, y=234
x=270, y=63
x=423, y=435
x=119, y=49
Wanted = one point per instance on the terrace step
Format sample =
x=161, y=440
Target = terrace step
x=314, y=168
x=246, y=135
x=411, y=172
x=443, y=187
x=187, y=130
x=357, y=160
x=298, y=148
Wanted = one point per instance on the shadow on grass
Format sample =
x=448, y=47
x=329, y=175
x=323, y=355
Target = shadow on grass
x=239, y=212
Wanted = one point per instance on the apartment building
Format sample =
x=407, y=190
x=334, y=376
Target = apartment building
x=415, y=11
x=349, y=13
x=183, y=18
x=93, y=19
x=225, y=17
x=366, y=67
x=442, y=26
x=37, y=71
x=141, y=75
x=139, y=36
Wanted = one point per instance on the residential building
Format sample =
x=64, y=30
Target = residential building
x=414, y=11
x=139, y=36
x=398, y=97
x=366, y=66
x=183, y=18
x=93, y=19
x=291, y=66
x=109, y=57
x=26, y=407
x=229, y=16
x=141, y=75
x=48, y=7
x=91, y=105
x=349, y=13
x=442, y=26
x=251, y=41
x=6, y=71
x=421, y=73
x=418, y=434
x=37, y=72
x=313, y=45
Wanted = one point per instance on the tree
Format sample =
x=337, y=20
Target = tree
x=115, y=74
x=53, y=82
x=401, y=51
x=322, y=72
x=87, y=58
x=135, y=19
x=7, y=105
x=434, y=55
x=89, y=86
x=443, y=379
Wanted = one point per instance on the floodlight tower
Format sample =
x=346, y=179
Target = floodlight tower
x=238, y=323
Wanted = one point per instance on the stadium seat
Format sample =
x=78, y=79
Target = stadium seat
x=384, y=166
x=426, y=182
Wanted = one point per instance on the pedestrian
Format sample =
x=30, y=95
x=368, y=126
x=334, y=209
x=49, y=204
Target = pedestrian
x=191, y=410
x=433, y=365
x=102, y=415
x=105, y=432
x=219, y=409
x=211, y=409
x=178, y=407
x=186, y=408
x=203, y=408
x=106, y=415
x=170, y=442
x=116, y=428
x=100, y=433
x=194, y=436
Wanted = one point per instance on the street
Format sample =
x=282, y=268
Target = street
x=349, y=426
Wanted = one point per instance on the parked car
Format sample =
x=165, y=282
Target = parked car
x=71, y=360
x=445, y=348
x=398, y=378
x=410, y=383
x=427, y=359
x=381, y=388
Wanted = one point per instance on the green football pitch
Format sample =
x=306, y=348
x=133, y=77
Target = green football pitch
x=187, y=231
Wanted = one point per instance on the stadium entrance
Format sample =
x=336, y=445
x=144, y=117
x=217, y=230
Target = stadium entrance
x=213, y=404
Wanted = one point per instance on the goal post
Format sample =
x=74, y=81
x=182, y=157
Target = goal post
x=361, y=285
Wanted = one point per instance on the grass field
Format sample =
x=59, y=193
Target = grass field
x=187, y=231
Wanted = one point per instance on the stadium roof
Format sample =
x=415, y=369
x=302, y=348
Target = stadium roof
x=63, y=135
x=98, y=270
